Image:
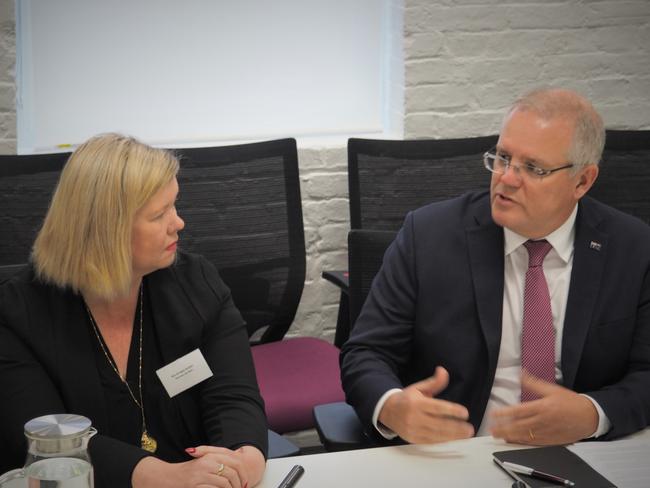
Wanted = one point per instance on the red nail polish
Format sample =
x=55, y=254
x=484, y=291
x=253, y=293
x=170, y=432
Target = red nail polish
x=190, y=450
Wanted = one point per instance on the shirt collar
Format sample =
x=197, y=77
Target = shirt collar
x=561, y=238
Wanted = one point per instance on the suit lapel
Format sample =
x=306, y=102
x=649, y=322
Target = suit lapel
x=590, y=254
x=485, y=244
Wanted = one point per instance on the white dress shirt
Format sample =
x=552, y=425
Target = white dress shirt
x=558, y=263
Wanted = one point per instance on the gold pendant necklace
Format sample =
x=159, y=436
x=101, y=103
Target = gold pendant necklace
x=147, y=442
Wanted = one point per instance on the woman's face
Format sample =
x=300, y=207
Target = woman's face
x=155, y=231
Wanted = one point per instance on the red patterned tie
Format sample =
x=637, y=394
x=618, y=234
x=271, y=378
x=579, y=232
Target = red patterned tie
x=538, y=334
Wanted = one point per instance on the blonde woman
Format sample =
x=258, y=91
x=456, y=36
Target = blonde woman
x=107, y=301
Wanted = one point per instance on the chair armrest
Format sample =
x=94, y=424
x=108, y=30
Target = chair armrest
x=339, y=278
x=280, y=446
x=339, y=427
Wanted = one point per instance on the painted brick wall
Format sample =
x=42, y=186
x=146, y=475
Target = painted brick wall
x=466, y=60
x=7, y=78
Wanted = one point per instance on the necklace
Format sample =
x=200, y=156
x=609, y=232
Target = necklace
x=147, y=442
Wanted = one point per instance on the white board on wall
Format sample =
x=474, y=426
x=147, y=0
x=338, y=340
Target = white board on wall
x=188, y=72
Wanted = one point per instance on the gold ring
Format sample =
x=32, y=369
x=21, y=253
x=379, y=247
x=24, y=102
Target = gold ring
x=220, y=469
x=530, y=433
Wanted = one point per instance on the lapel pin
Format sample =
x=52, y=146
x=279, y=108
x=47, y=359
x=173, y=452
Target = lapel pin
x=595, y=245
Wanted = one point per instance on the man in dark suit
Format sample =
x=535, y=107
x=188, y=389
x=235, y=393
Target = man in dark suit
x=438, y=349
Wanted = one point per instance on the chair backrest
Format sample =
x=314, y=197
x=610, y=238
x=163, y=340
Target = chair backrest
x=624, y=178
x=26, y=186
x=242, y=209
x=366, y=250
x=387, y=178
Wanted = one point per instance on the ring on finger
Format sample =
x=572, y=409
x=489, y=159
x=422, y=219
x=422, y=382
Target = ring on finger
x=220, y=468
x=531, y=435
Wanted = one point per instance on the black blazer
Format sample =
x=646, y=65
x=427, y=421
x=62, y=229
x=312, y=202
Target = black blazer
x=47, y=364
x=438, y=298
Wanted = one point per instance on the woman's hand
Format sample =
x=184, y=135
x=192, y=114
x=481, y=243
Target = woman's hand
x=226, y=463
x=247, y=462
x=211, y=467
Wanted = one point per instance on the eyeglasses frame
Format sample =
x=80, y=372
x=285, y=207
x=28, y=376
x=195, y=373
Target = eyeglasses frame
x=538, y=172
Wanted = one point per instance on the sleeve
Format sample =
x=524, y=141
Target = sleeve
x=231, y=404
x=379, y=347
x=626, y=403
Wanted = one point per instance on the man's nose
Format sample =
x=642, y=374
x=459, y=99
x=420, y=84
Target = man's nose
x=511, y=175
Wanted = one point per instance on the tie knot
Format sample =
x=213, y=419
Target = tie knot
x=537, y=251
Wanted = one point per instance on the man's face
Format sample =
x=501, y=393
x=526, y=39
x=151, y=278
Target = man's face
x=530, y=206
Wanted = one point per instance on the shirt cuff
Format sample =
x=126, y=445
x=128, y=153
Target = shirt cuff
x=385, y=432
x=603, y=422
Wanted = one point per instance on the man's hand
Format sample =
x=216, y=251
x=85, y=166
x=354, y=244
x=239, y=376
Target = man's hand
x=420, y=419
x=559, y=416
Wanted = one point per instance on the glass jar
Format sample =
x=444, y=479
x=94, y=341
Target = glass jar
x=57, y=454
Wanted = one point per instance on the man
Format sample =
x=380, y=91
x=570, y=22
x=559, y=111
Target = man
x=461, y=324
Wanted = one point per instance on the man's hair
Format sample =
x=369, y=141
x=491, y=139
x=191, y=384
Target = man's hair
x=589, y=132
x=85, y=240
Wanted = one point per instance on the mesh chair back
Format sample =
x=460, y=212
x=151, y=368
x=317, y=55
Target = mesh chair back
x=389, y=178
x=26, y=186
x=242, y=209
x=366, y=250
x=624, y=178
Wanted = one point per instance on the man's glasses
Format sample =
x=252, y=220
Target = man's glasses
x=499, y=163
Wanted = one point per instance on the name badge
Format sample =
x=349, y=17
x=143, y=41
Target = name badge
x=184, y=373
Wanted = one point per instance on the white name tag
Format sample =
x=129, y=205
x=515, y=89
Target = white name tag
x=184, y=373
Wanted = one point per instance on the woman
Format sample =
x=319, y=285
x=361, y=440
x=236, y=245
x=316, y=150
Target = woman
x=108, y=301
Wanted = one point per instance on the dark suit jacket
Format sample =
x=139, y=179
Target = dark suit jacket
x=47, y=364
x=438, y=298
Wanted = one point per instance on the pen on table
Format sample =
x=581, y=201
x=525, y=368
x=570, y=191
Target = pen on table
x=293, y=476
x=518, y=468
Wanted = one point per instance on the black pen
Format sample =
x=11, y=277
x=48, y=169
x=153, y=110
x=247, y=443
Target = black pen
x=518, y=468
x=293, y=476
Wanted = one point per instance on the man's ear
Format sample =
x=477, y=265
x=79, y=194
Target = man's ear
x=585, y=180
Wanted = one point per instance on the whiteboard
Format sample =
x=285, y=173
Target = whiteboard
x=184, y=72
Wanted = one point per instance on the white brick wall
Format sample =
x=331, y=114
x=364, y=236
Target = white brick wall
x=7, y=77
x=466, y=60
x=324, y=187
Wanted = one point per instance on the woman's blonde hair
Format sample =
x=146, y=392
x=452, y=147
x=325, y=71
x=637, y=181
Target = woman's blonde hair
x=85, y=241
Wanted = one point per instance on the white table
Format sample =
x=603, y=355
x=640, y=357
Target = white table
x=461, y=464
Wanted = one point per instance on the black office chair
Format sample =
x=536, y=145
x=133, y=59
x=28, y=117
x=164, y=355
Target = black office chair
x=337, y=424
x=243, y=211
x=387, y=178
x=624, y=176
x=26, y=185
